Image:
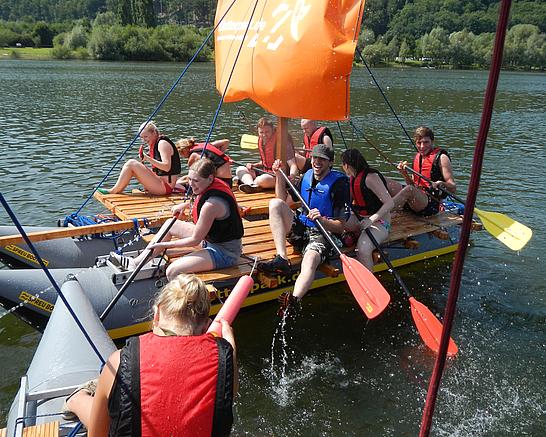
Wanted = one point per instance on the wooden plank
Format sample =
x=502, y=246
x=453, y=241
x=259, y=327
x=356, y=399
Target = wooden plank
x=80, y=230
x=50, y=429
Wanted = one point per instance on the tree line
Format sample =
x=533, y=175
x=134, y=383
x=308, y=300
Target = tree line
x=455, y=32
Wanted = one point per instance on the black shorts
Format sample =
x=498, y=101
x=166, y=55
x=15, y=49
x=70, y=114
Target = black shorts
x=433, y=207
x=304, y=238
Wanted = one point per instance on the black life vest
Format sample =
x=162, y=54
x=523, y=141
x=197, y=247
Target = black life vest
x=179, y=385
x=231, y=228
x=365, y=200
x=175, y=158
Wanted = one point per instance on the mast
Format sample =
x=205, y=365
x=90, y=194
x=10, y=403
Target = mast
x=489, y=100
x=282, y=139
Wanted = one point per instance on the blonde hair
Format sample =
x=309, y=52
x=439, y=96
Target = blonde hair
x=185, y=143
x=150, y=125
x=185, y=298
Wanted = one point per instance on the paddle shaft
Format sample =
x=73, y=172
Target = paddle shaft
x=135, y=272
x=317, y=222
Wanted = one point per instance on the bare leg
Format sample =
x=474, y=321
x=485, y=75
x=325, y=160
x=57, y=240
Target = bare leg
x=200, y=261
x=300, y=161
x=309, y=264
x=415, y=198
x=393, y=187
x=265, y=181
x=366, y=247
x=135, y=169
x=245, y=175
x=280, y=222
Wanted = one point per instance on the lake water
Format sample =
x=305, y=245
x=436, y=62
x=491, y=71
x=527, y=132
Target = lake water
x=64, y=123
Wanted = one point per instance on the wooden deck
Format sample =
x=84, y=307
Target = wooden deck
x=258, y=240
x=50, y=429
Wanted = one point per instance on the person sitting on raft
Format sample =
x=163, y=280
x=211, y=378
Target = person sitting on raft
x=371, y=205
x=215, y=151
x=326, y=192
x=432, y=162
x=163, y=158
x=217, y=227
x=251, y=179
x=175, y=380
x=313, y=134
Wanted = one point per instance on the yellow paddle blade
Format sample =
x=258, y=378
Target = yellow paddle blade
x=510, y=232
x=249, y=141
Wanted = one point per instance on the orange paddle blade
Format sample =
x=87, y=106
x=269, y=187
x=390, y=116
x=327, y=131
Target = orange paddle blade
x=367, y=290
x=429, y=327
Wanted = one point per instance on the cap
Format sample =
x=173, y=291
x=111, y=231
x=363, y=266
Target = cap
x=323, y=151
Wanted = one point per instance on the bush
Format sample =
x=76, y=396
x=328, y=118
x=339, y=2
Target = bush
x=76, y=38
x=61, y=52
x=105, y=43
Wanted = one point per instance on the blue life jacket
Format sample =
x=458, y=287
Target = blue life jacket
x=319, y=196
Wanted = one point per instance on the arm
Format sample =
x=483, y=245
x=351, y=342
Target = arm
x=280, y=184
x=166, y=153
x=192, y=158
x=221, y=144
x=402, y=168
x=328, y=141
x=447, y=173
x=290, y=157
x=99, y=420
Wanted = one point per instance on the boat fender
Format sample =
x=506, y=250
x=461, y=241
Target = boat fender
x=231, y=306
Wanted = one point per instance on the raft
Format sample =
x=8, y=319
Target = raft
x=28, y=294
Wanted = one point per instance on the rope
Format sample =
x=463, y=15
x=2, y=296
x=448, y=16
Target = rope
x=156, y=110
x=217, y=113
x=386, y=99
x=48, y=274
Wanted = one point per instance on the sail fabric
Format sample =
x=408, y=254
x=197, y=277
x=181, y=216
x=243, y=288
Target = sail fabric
x=295, y=59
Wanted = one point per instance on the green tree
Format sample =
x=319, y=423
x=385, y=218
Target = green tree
x=375, y=54
x=482, y=48
x=405, y=51
x=366, y=37
x=461, y=52
x=76, y=38
x=516, y=50
x=105, y=43
x=42, y=34
x=435, y=45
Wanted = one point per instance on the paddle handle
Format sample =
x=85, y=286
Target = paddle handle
x=231, y=306
x=317, y=222
x=136, y=271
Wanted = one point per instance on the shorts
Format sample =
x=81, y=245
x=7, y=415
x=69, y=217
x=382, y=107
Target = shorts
x=433, y=207
x=228, y=181
x=168, y=188
x=221, y=258
x=304, y=239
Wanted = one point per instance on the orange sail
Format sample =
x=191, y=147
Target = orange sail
x=295, y=55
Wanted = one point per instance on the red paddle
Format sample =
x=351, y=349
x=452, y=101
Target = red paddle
x=367, y=290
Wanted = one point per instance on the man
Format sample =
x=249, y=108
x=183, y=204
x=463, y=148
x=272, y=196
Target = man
x=253, y=181
x=312, y=135
x=432, y=162
x=326, y=191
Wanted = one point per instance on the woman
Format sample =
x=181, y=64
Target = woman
x=172, y=381
x=371, y=205
x=217, y=227
x=215, y=151
x=163, y=158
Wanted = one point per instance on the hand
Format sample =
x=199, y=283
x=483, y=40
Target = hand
x=365, y=223
x=402, y=166
x=439, y=185
x=141, y=152
x=227, y=332
x=314, y=214
x=277, y=166
x=178, y=210
x=160, y=246
x=249, y=166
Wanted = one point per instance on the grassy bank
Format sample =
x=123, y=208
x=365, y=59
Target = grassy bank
x=25, y=53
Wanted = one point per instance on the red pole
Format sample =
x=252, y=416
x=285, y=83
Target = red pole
x=455, y=282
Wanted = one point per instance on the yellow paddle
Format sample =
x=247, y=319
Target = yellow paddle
x=505, y=229
x=249, y=142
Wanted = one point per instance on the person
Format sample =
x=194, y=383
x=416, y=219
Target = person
x=432, y=162
x=217, y=227
x=251, y=179
x=326, y=192
x=313, y=134
x=163, y=158
x=215, y=151
x=175, y=380
x=371, y=204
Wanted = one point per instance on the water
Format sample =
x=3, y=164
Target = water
x=64, y=123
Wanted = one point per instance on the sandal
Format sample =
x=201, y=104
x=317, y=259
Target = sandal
x=89, y=387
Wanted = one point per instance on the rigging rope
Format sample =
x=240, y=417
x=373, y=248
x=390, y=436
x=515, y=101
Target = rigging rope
x=155, y=111
x=48, y=274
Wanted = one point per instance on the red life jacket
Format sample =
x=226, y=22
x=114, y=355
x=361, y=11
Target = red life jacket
x=267, y=153
x=365, y=200
x=230, y=228
x=217, y=157
x=173, y=386
x=429, y=166
x=175, y=158
x=316, y=138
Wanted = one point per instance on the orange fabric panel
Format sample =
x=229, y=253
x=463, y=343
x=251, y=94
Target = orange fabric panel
x=296, y=57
